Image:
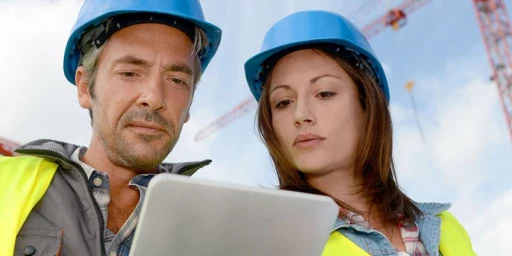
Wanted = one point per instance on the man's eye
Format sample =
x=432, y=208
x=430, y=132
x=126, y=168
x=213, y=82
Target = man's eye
x=128, y=74
x=179, y=81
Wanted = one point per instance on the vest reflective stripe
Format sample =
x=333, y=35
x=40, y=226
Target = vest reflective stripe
x=454, y=241
x=23, y=182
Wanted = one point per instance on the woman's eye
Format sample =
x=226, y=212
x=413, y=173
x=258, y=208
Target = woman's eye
x=283, y=103
x=326, y=95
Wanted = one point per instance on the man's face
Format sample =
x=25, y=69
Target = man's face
x=142, y=94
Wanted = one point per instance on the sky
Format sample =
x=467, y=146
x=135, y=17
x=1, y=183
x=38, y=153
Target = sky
x=466, y=159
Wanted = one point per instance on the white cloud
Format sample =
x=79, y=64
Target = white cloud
x=493, y=240
x=463, y=124
x=36, y=99
x=468, y=123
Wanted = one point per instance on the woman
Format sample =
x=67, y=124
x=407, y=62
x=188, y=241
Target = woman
x=323, y=114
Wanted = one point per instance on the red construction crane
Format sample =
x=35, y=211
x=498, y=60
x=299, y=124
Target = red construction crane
x=239, y=110
x=494, y=25
x=395, y=18
x=7, y=147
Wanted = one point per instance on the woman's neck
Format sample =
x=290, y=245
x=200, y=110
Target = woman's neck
x=343, y=186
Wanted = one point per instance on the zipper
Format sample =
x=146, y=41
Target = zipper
x=192, y=166
x=51, y=153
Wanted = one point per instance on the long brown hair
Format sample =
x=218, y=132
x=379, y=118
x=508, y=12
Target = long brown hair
x=374, y=166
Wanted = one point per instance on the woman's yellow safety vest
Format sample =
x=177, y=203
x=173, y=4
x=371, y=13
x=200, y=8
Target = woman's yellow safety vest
x=25, y=179
x=454, y=241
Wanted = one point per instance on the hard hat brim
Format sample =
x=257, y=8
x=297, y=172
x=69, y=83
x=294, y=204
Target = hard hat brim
x=253, y=65
x=72, y=54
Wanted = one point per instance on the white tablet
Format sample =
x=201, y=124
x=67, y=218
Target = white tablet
x=184, y=216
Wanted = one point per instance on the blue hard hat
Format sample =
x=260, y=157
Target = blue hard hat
x=94, y=12
x=306, y=29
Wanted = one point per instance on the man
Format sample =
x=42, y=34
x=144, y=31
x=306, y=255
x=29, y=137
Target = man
x=136, y=65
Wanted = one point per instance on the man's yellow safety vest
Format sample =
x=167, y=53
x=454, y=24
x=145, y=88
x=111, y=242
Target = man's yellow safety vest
x=23, y=182
x=25, y=179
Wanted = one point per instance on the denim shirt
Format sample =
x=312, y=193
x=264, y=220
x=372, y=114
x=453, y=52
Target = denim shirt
x=375, y=243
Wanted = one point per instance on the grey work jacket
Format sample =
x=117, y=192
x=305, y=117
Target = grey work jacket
x=67, y=220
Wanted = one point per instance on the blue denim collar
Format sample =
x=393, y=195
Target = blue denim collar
x=425, y=208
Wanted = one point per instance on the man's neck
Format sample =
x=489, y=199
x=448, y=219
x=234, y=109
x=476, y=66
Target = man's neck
x=123, y=198
x=96, y=157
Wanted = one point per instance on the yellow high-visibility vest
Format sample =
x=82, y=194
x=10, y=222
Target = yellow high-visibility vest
x=25, y=179
x=23, y=182
x=454, y=241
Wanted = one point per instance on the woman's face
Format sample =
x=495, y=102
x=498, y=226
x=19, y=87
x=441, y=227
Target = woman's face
x=316, y=113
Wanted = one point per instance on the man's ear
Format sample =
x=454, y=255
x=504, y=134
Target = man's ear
x=188, y=116
x=82, y=85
